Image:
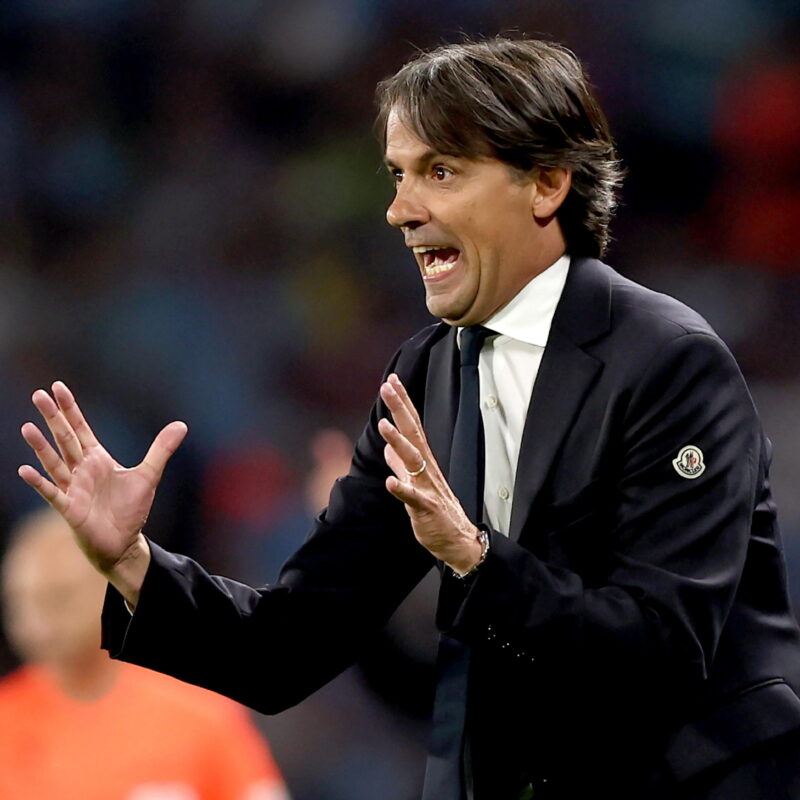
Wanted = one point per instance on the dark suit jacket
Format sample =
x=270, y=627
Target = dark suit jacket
x=633, y=629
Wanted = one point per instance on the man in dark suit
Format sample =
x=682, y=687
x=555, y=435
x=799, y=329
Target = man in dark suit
x=613, y=608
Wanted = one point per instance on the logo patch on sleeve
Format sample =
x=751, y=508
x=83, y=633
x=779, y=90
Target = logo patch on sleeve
x=689, y=463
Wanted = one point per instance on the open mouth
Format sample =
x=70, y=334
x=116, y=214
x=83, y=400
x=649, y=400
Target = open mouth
x=436, y=260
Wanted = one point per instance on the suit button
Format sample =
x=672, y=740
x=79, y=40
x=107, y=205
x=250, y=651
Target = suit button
x=491, y=401
x=503, y=493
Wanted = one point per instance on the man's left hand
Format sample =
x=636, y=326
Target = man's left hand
x=438, y=520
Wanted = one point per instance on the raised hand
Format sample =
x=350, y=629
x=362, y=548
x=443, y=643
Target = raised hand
x=439, y=522
x=105, y=504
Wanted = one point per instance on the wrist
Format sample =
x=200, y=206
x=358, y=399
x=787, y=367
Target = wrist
x=128, y=573
x=464, y=567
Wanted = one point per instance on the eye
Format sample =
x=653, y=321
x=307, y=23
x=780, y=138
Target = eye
x=395, y=175
x=441, y=173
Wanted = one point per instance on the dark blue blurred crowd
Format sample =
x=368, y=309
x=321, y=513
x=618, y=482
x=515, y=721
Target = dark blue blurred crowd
x=191, y=227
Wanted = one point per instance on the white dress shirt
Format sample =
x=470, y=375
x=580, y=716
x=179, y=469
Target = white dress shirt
x=507, y=368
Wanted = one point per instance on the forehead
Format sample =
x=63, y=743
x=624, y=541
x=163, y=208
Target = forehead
x=405, y=148
x=402, y=142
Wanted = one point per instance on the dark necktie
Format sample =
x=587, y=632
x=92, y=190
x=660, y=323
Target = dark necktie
x=444, y=776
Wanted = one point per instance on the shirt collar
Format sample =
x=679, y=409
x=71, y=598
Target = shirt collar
x=529, y=315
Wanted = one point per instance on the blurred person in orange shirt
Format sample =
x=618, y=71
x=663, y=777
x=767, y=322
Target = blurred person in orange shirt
x=75, y=724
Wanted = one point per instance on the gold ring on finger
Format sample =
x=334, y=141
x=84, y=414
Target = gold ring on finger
x=422, y=469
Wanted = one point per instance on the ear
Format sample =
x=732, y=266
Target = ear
x=550, y=189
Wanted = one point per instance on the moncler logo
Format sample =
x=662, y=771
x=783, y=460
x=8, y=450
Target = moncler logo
x=689, y=463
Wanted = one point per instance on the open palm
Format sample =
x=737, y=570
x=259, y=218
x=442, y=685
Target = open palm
x=105, y=503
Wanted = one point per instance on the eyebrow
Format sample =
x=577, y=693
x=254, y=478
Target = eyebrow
x=424, y=158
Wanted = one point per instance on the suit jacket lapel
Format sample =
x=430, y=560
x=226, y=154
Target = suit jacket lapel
x=441, y=398
x=565, y=376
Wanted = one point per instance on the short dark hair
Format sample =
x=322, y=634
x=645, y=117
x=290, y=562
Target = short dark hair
x=526, y=102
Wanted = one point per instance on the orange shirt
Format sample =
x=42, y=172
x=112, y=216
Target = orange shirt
x=149, y=738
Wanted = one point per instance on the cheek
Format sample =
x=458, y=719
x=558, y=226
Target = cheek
x=489, y=235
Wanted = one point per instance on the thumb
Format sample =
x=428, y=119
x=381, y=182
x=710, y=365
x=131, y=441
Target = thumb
x=164, y=445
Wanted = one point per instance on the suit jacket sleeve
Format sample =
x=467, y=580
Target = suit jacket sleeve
x=272, y=646
x=671, y=550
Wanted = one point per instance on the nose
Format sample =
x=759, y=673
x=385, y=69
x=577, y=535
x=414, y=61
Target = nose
x=406, y=210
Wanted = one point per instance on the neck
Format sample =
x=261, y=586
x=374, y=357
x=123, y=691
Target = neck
x=87, y=678
x=548, y=258
x=554, y=245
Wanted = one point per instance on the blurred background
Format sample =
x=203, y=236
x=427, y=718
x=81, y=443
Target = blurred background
x=191, y=227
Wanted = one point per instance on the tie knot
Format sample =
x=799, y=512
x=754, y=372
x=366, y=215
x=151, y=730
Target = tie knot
x=472, y=339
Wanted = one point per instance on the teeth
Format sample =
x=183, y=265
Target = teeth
x=427, y=249
x=437, y=268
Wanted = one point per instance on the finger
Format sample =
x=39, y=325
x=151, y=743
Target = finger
x=163, y=447
x=404, y=416
x=395, y=462
x=73, y=414
x=47, y=490
x=397, y=384
x=65, y=438
x=48, y=458
x=409, y=454
x=407, y=492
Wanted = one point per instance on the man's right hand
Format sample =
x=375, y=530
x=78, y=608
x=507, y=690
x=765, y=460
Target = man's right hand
x=105, y=504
